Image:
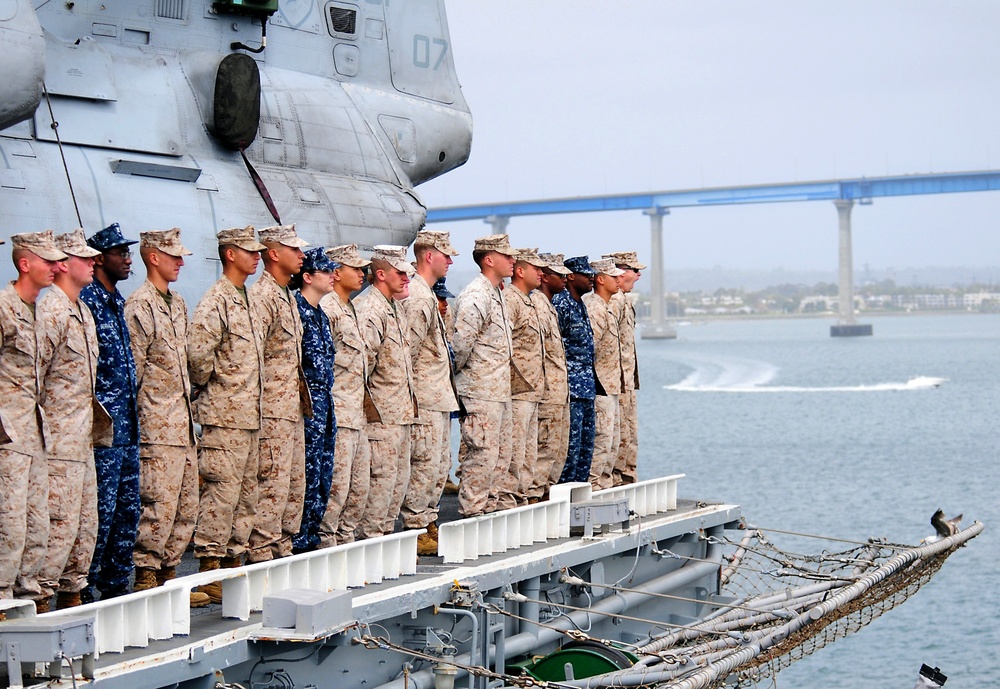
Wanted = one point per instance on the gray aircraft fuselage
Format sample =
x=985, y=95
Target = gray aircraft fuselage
x=358, y=103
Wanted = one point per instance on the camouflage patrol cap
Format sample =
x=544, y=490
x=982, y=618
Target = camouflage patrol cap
x=75, y=244
x=167, y=241
x=42, y=244
x=531, y=257
x=606, y=267
x=109, y=238
x=316, y=260
x=554, y=262
x=347, y=255
x=437, y=239
x=580, y=265
x=394, y=256
x=243, y=237
x=629, y=259
x=495, y=242
x=281, y=234
x=440, y=291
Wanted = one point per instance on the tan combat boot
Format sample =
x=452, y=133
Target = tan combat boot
x=432, y=531
x=165, y=574
x=231, y=562
x=145, y=579
x=426, y=545
x=213, y=590
x=67, y=599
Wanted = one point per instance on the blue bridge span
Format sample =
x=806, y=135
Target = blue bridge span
x=844, y=193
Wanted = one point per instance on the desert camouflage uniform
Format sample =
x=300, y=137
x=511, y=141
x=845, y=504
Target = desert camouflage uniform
x=483, y=351
x=167, y=453
x=390, y=381
x=118, y=505
x=24, y=527
x=430, y=434
x=281, y=474
x=608, y=369
x=626, y=464
x=527, y=384
x=225, y=360
x=352, y=459
x=578, y=342
x=321, y=427
x=553, y=409
x=69, y=350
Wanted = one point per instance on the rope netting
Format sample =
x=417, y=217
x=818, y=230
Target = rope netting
x=783, y=606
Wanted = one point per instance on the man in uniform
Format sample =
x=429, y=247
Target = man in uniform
x=24, y=528
x=430, y=434
x=390, y=381
x=157, y=323
x=483, y=351
x=604, y=315
x=281, y=472
x=68, y=341
x=578, y=341
x=351, y=460
x=117, y=466
x=527, y=376
x=225, y=360
x=553, y=408
x=625, y=466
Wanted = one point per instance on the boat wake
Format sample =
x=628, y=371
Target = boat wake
x=750, y=376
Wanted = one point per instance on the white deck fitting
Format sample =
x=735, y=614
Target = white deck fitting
x=469, y=539
x=164, y=612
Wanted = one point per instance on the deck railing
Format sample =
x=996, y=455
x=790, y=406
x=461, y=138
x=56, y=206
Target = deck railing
x=164, y=612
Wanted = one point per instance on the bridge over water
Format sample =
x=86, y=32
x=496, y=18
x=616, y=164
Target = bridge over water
x=844, y=193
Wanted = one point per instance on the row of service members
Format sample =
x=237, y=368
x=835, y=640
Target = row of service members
x=240, y=444
x=545, y=374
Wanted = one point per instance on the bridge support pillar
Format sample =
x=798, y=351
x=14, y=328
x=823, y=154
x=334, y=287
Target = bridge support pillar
x=498, y=223
x=846, y=326
x=657, y=328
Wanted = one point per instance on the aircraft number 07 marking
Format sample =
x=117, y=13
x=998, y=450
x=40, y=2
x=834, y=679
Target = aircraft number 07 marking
x=423, y=49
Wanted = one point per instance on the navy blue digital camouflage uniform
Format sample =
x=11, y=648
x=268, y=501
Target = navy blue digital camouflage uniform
x=118, y=505
x=321, y=429
x=578, y=341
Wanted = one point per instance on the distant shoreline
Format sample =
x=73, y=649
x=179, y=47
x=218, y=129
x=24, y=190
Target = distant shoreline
x=708, y=318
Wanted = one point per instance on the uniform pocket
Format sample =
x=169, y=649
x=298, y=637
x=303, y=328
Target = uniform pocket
x=475, y=430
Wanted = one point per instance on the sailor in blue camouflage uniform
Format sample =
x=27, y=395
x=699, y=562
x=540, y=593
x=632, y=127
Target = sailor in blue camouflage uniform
x=118, y=505
x=578, y=340
x=313, y=283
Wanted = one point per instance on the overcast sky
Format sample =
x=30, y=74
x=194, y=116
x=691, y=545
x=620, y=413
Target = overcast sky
x=579, y=97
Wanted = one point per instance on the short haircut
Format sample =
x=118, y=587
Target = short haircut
x=377, y=265
x=478, y=255
x=420, y=249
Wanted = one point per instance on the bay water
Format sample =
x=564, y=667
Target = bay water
x=851, y=438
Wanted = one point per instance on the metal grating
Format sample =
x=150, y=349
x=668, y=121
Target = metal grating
x=171, y=9
x=343, y=20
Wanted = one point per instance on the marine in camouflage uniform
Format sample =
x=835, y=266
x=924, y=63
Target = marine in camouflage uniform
x=430, y=434
x=604, y=315
x=553, y=409
x=69, y=351
x=483, y=350
x=527, y=377
x=352, y=459
x=313, y=282
x=578, y=341
x=168, y=458
x=390, y=381
x=281, y=475
x=628, y=453
x=118, y=505
x=225, y=360
x=24, y=528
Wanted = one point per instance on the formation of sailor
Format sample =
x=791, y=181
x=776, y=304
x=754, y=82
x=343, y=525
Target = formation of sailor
x=291, y=415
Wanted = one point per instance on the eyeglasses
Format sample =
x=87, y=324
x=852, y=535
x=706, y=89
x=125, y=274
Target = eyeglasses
x=123, y=252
